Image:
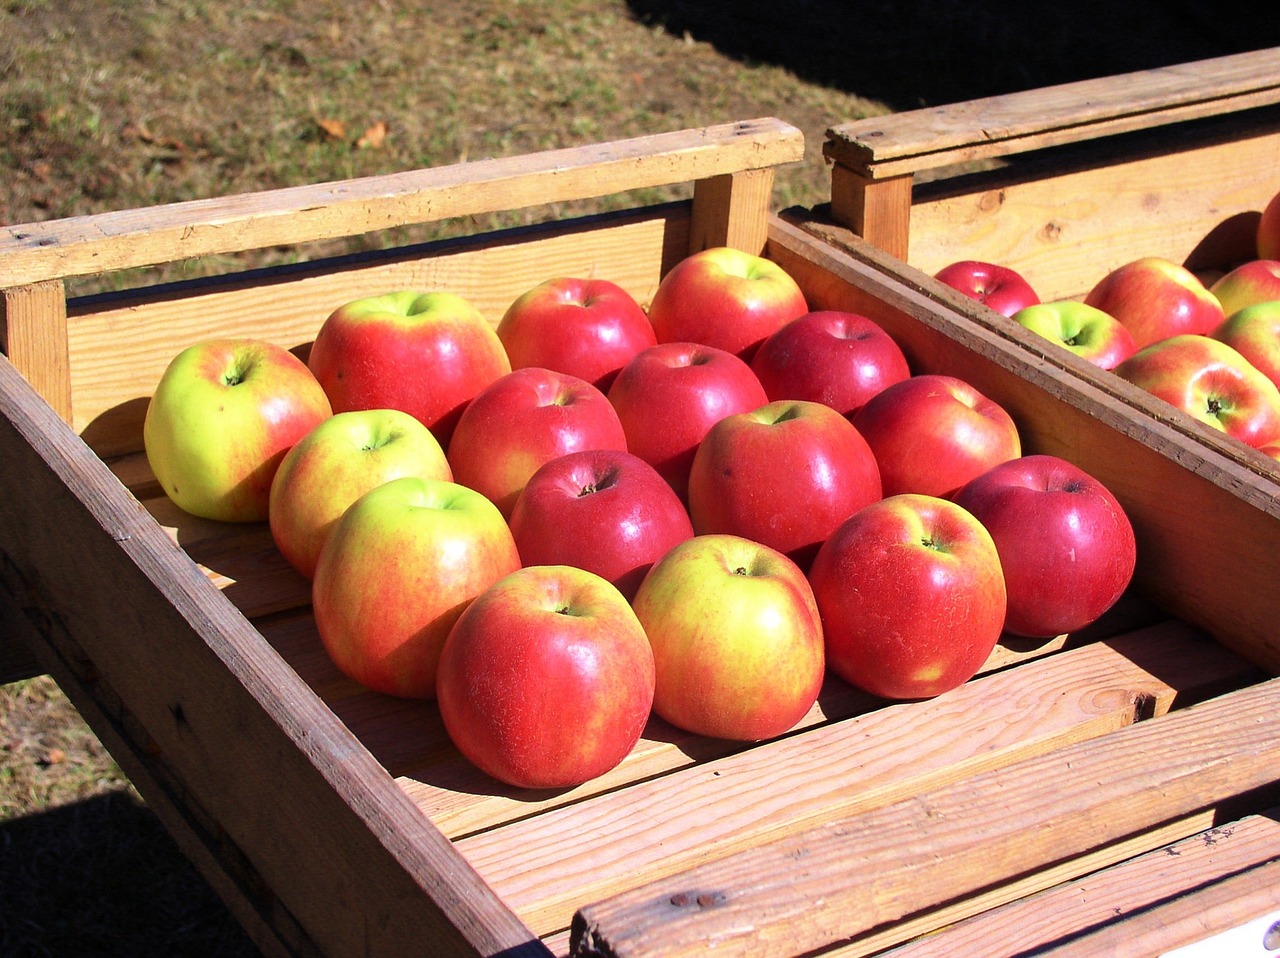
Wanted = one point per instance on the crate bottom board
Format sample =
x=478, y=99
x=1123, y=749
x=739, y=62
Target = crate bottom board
x=678, y=800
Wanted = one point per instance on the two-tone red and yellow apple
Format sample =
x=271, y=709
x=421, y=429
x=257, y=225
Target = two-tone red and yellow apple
x=427, y=354
x=220, y=421
x=727, y=298
x=546, y=680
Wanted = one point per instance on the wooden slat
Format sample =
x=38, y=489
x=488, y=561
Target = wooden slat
x=545, y=866
x=1188, y=919
x=1135, y=887
x=732, y=210
x=218, y=713
x=112, y=241
x=904, y=143
x=33, y=334
x=1191, y=508
x=850, y=876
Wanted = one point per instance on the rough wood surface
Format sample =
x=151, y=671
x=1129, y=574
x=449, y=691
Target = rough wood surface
x=846, y=877
x=547, y=865
x=1139, y=886
x=903, y=143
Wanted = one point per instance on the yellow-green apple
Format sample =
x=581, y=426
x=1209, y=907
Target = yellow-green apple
x=785, y=474
x=588, y=328
x=1212, y=382
x=1065, y=544
x=995, y=285
x=523, y=419
x=1254, y=332
x=221, y=419
x=546, y=680
x=604, y=510
x=1156, y=298
x=736, y=636
x=395, y=573
x=1252, y=282
x=1268, y=230
x=834, y=357
x=669, y=395
x=932, y=433
x=427, y=354
x=1083, y=329
x=727, y=298
x=334, y=464
x=912, y=597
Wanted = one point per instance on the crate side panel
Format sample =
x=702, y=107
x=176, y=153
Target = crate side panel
x=1064, y=232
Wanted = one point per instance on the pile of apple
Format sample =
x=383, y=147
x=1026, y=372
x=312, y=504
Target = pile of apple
x=592, y=512
x=1211, y=350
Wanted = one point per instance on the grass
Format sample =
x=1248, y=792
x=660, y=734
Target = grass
x=141, y=102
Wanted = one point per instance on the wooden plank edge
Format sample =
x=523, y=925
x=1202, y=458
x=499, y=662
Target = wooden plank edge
x=849, y=877
x=1071, y=910
x=83, y=245
x=1087, y=109
x=217, y=709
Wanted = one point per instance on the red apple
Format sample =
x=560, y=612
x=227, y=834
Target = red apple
x=1065, y=544
x=604, y=510
x=523, y=419
x=912, y=597
x=547, y=679
x=933, y=433
x=828, y=356
x=999, y=287
x=1268, y=233
x=427, y=354
x=727, y=298
x=1156, y=298
x=587, y=328
x=737, y=641
x=1254, y=332
x=669, y=395
x=1257, y=281
x=334, y=464
x=785, y=474
x=1212, y=382
x=1085, y=330
x=396, y=572
x=220, y=421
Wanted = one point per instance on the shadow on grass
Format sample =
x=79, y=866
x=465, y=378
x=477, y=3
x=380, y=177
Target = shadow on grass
x=101, y=878
x=908, y=55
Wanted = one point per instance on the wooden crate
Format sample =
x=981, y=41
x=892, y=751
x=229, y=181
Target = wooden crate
x=1068, y=182
x=338, y=822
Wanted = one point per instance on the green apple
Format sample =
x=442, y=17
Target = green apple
x=736, y=636
x=1085, y=330
x=400, y=566
x=337, y=462
x=221, y=419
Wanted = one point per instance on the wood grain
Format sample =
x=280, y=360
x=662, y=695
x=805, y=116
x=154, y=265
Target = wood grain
x=847, y=877
x=903, y=143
